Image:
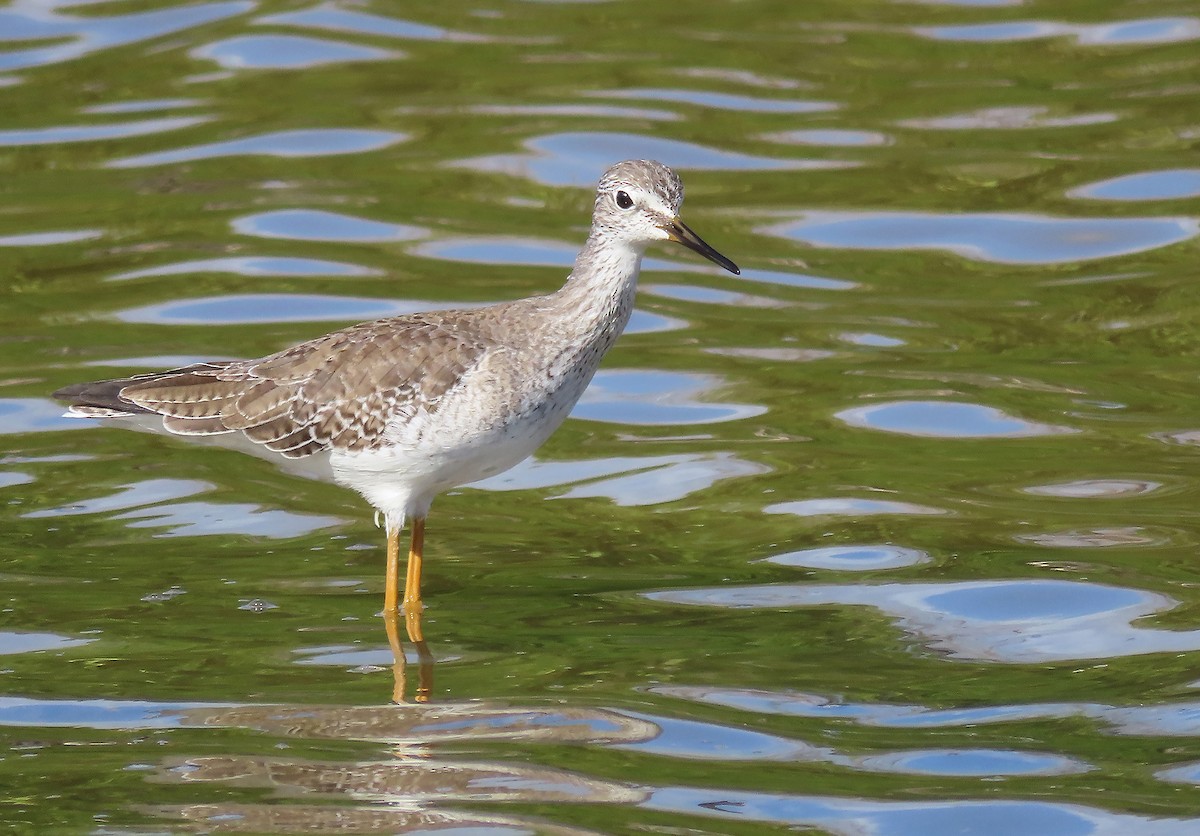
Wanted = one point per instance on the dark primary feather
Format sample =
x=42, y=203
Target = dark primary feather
x=338, y=391
x=106, y=394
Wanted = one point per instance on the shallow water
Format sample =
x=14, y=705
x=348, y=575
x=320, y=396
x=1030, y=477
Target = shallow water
x=895, y=533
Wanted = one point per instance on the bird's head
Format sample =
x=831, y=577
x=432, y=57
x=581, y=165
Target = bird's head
x=638, y=203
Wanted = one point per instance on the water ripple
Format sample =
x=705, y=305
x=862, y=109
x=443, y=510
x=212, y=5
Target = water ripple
x=201, y=519
x=1002, y=238
x=627, y=480
x=828, y=137
x=239, y=309
x=1169, y=184
x=851, y=558
x=696, y=740
x=151, y=504
x=774, y=355
x=252, y=266
x=1180, y=719
x=12, y=478
x=157, y=361
x=142, y=106
x=94, y=714
x=1007, y=118
x=91, y=133
x=286, y=52
x=317, y=142
x=962, y=763
x=92, y=33
x=247, y=308
x=1188, y=773
x=137, y=494
x=12, y=643
x=857, y=816
x=850, y=506
x=331, y=17
x=46, y=239
x=944, y=419
x=1016, y=621
x=720, y=101
x=973, y=3
x=566, y=109
x=655, y=398
x=317, y=225
x=531, y=252
x=669, y=483
x=33, y=415
x=711, y=296
x=571, y=159
x=870, y=340
x=1095, y=488
x=1162, y=30
x=1095, y=538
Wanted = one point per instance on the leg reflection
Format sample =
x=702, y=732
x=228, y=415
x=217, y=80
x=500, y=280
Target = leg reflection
x=412, y=625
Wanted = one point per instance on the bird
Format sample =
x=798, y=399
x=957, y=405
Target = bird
x=404, y=408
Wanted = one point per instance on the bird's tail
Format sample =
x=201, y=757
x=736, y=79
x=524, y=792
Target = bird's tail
x=100, y=398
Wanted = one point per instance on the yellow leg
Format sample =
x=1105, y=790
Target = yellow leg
x=412, y=612
x=412, y=584
x=391, y=588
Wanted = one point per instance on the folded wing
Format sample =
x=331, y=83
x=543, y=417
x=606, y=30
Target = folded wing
x=339, y=391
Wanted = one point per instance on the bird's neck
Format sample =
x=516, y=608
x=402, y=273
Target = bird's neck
x=597, y=298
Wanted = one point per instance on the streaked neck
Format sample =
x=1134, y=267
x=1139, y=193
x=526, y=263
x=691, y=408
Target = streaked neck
x=598, y=295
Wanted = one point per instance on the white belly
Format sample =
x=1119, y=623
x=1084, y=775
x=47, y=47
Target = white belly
x=484, y=430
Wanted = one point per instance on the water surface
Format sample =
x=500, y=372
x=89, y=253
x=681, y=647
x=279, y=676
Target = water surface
x=894, y=533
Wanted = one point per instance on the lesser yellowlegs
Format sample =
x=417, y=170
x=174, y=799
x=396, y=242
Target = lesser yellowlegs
x=407, y=407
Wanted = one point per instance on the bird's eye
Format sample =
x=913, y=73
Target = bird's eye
x=624, y=200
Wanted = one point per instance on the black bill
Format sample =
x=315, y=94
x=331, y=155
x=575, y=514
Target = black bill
x=679, y=231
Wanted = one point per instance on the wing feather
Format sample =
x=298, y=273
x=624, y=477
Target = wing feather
x=195, y=426
x=339, y=391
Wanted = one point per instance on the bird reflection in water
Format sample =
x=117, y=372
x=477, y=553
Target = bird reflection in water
x=425, y=660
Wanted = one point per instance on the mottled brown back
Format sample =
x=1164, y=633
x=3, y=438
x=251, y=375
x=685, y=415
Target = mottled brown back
x=338, y=391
